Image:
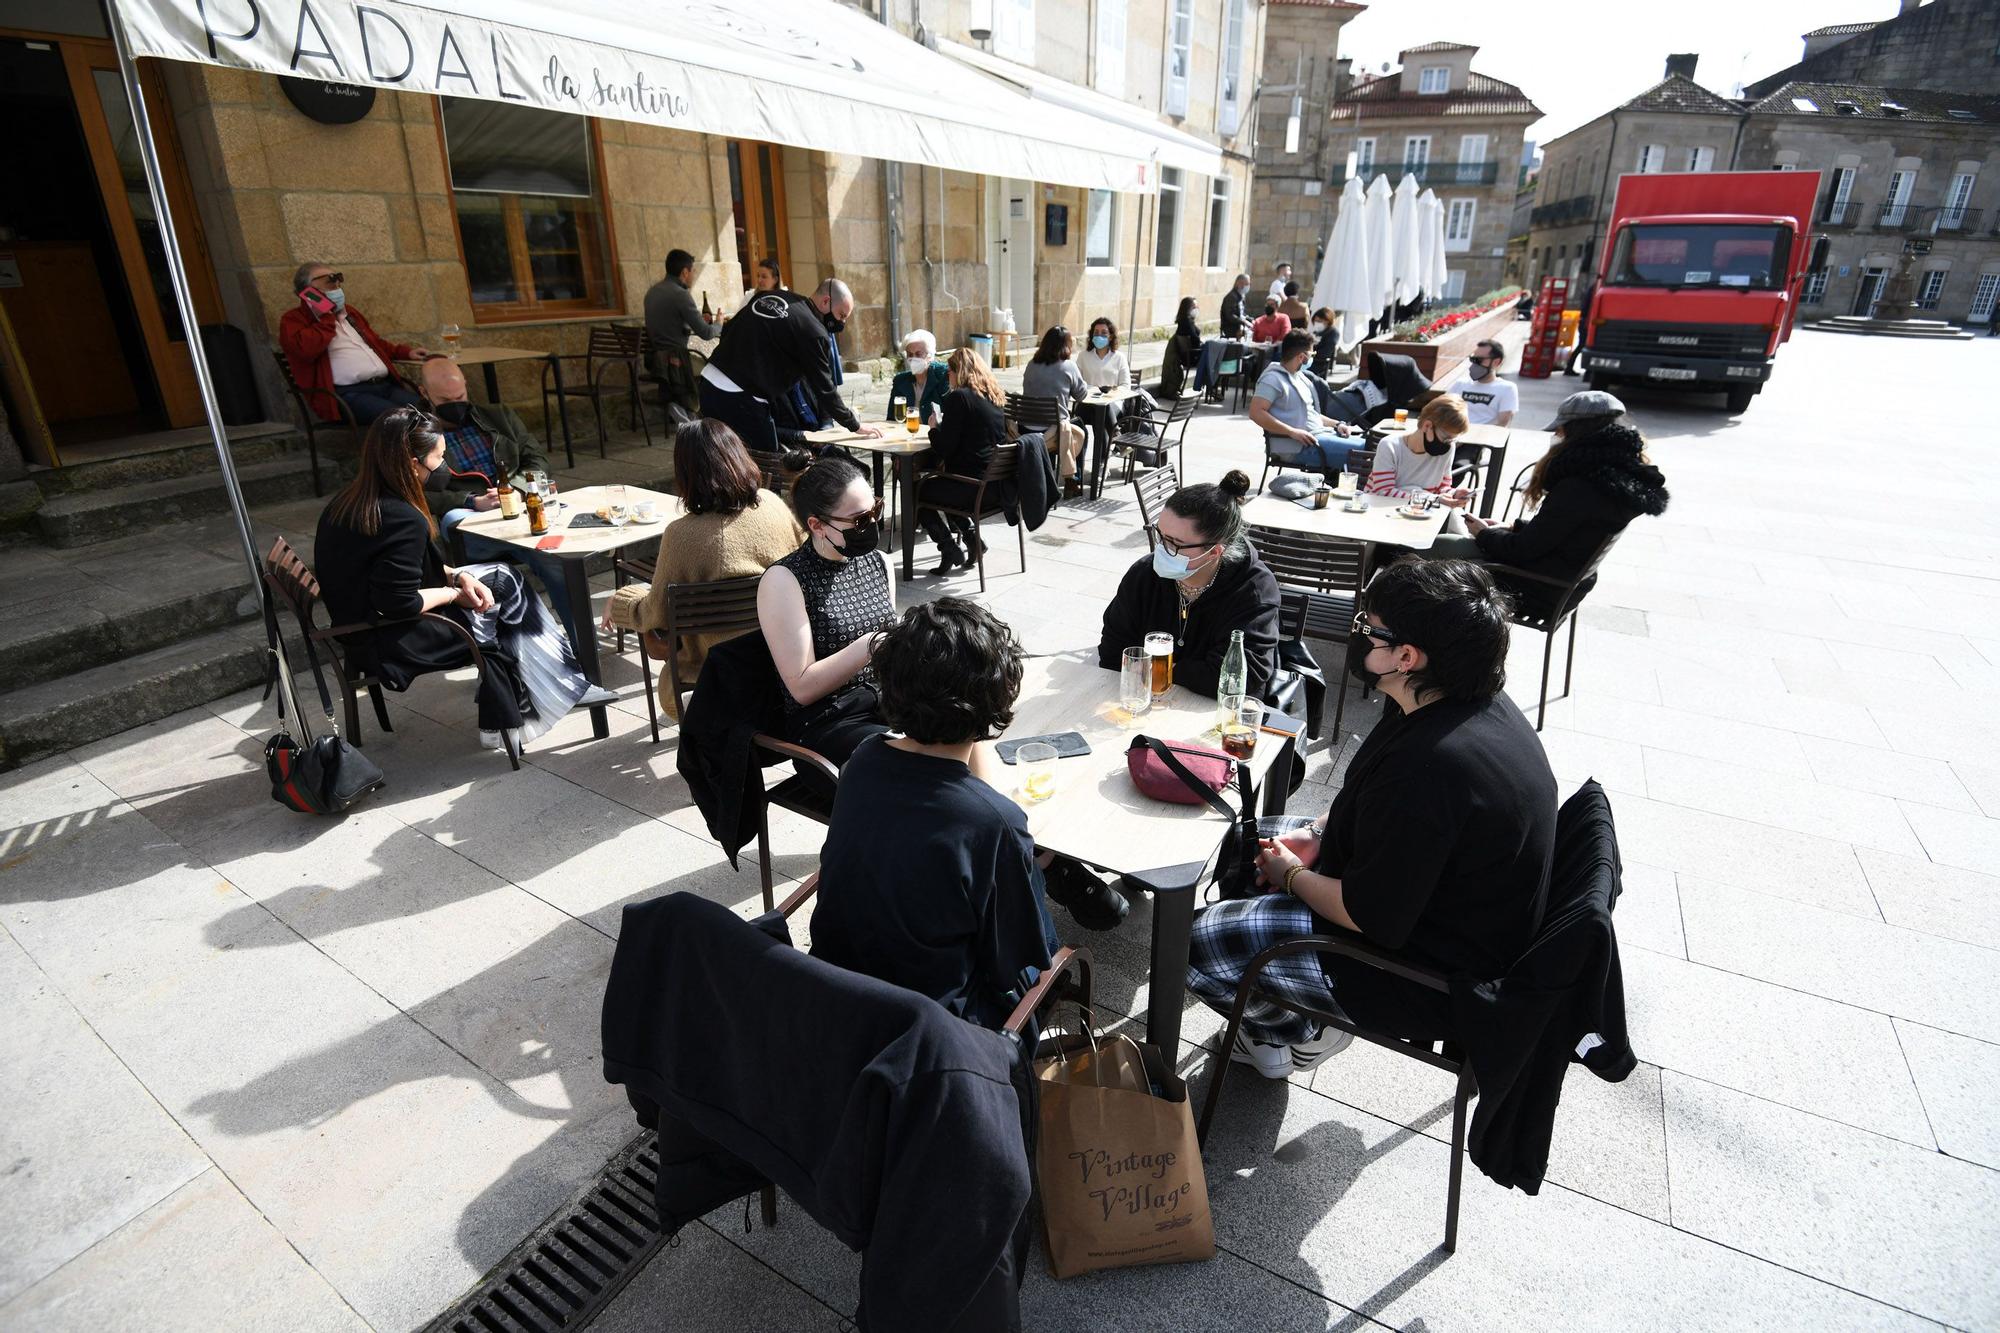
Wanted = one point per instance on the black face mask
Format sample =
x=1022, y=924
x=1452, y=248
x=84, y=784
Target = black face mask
x=1434, y=446
x=1358, y=649
x=832, y=325
x=453, y=414
x=861, y=539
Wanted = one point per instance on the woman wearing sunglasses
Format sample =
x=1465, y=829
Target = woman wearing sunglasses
x=823, y=607
x=1437, y=846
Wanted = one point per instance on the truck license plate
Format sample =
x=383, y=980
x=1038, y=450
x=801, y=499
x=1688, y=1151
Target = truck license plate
x=1669, y=373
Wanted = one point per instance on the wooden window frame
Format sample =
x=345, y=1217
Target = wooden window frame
x=493, y=313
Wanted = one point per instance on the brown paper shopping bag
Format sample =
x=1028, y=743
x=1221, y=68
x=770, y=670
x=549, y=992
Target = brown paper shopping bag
x=1120, y=1171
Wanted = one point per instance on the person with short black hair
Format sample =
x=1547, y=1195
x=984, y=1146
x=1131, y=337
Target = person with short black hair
x=1292, y=308
x=672, y=317
x=1283, y=275
x=928, y=877
x=1438, y=845
x=1489, y=400
x=823, y=606
x=1272, y=325
x=778, y=340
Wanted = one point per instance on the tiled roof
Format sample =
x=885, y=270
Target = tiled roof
x=1483, y=95
x=1842, y=29
x=1677, y=92
x=1440, y=46
x=1868, y=102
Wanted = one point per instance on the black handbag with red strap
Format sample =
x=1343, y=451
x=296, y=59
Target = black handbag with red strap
x=326, y=775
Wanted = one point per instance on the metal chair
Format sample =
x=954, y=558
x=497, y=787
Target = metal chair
x=1153, y=487
x=720, y=606
x=1322, y=577
x=303, y=399
x=1001, y=468
x=610, y=347
x=292, y=583
x=1584, y=886
x=1518, y=492
x=1545, y=603
x=1135, y=447
x=808, y=791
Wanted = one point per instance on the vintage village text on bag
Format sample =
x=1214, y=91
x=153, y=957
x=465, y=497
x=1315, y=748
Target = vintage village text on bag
x=1119, y=1168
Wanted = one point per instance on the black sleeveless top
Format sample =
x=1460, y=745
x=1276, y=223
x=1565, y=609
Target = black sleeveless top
x=845, y=599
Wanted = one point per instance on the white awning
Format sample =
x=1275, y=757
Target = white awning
x=1093, y=111
x=809, y=73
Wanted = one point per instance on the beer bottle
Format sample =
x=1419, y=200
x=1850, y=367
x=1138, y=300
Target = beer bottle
x=706, y=316
x=538, y=518
x=510, y=500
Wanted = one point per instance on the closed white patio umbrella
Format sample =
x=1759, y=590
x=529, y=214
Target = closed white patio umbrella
x=1437, y=275
x=1406, y=219
x=1377, y=229
x=1346, y=284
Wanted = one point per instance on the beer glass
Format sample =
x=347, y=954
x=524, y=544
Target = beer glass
x=1038, y=770
x=1160, y=647
x=1135, y=682
x=910, y=421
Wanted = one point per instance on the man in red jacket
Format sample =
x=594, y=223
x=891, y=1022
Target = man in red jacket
x=332, y=350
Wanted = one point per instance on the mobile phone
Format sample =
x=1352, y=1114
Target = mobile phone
x=316, y=300
x=1069, y=744
x=549, y=543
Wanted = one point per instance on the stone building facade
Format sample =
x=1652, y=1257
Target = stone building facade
x=1460, y=133
x=1943, y=46
x=1676, y=125
x=384, y=199
x=1292, y=206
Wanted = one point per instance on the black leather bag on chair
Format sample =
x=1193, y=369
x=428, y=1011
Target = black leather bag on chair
x=326, y=775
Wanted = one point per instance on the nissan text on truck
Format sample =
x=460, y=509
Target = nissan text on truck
x=1699, y=280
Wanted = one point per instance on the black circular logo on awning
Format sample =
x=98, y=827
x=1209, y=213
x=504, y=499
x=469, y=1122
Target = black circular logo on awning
x=327, y=102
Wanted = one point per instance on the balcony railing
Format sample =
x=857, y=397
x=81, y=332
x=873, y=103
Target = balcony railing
x=1845, y=213
x=1958, y=221
x=1427, y=173
x=1574, y=209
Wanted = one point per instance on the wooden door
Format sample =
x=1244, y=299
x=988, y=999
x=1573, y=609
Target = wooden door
x=757, y=200
x=112, y=135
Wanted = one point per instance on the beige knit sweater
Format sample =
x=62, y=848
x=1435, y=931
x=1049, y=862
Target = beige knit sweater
x=700, y=548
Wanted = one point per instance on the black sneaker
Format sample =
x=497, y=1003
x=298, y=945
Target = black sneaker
x=1094, y=904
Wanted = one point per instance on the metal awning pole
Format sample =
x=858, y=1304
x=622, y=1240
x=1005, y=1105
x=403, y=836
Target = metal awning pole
x=156, y=188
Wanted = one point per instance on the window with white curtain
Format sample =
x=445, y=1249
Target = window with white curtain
x=1652, y=158
x=1434, y=79
x=1167, y=229
x=1180, y=55
x=1218, y=221
x=1100, y=230
x=1229, y=98
x=1014, y=30
x=1111, y=47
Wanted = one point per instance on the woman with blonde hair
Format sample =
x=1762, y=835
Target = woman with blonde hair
x=962, y=443
x=379, y=565
x=1419, y=460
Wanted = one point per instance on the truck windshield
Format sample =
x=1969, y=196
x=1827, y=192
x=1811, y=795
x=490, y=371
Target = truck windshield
x=1691, y=254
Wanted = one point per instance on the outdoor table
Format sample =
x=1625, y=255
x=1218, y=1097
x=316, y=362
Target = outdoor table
x=902, y=450
x=578, y=545
x=1101, y=411
x=1379, y=524
x=1098, y=817
x=488, y=359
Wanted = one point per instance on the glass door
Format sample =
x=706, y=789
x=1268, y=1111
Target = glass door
x=757, y=202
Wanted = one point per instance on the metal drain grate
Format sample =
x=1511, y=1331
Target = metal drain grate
x=568, y=1271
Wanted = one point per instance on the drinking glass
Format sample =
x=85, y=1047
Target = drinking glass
x=1135, y=682
x=1038, y=770
x=1240, y=728
x=1348, y=482
x=910, y=422
x=450, y=335
x=621, y=511
x=549, y=492
x=1160, y=647
x=1402, y=416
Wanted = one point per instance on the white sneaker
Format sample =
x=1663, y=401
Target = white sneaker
x=1270, y=1061
x=1330, y=1042
x=493, y=740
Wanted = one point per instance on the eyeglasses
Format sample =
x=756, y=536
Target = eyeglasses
x=1181, y=548
x=331, y=279
x=1376, y=632
x=870, y=515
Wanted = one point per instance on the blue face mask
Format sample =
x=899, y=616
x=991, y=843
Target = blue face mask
x=339, y=298
x=1100, y=341
x=1171, y=564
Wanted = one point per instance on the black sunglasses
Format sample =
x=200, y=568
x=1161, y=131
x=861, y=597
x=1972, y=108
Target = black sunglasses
x=1362, y=627
x=870, y=515
x=337, y=279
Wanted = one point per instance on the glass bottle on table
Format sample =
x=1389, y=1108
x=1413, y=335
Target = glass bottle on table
x=538, y=514
x=510, y=499
x=1234, y=682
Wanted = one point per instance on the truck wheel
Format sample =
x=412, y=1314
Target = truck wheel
x=1739, y=396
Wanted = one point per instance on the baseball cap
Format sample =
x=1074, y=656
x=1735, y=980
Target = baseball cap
x=1588, y=403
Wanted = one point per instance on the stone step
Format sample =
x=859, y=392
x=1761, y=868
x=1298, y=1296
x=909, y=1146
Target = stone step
x=77, y=709
x=1893, y=328
x=87, y=517
x=160, y=604
x=192, y=459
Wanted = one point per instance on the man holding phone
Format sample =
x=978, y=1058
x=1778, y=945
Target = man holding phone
x=333, y=351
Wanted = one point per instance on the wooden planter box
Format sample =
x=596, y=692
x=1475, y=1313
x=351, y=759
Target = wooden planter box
x=1441, y=360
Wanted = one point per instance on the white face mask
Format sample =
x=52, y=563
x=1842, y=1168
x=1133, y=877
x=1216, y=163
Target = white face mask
x=916, y=365
x=1319, y=326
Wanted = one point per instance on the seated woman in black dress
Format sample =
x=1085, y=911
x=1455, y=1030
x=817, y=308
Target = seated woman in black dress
x=823, y=606
x=963, y=443
x=378, y=563
x=1203, y=582
x=928, y=876
x=1593, y=481
x=1438, y=845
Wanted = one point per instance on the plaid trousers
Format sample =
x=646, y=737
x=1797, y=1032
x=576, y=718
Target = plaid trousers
x=1228, y=936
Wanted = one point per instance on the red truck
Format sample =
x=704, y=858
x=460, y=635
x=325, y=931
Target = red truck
x=1699, y=279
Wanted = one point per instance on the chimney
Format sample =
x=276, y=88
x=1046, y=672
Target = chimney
x=1682, y=65
x=1906, y=6
x=1343, y=75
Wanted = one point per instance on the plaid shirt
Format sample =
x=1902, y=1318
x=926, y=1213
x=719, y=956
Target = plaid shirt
x=468, y=450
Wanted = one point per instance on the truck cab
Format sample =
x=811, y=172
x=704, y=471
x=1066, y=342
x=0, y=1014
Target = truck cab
x=1701, y=300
